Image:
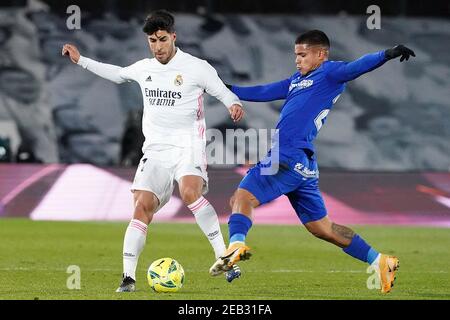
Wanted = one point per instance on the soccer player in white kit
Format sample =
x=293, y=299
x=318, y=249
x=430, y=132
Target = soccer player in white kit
x=173, y=123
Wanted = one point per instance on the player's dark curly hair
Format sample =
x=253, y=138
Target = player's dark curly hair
x=313, y=37
x=159, y=20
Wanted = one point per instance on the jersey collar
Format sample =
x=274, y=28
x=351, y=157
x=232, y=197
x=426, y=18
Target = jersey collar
x=313, y=72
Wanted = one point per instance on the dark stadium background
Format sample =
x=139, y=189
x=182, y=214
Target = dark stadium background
x=438, y=8
x=395, y=138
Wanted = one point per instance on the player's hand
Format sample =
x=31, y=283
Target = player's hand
x=72, y=52
x=236, y=112
x=398, y=51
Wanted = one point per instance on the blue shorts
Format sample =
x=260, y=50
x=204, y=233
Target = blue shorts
x=297, y=177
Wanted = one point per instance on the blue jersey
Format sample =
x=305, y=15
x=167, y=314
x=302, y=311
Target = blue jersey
x=309, y=98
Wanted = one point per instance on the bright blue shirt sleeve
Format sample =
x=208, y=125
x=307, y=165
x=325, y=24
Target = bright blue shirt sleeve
x=268, y=92
x=347, y=71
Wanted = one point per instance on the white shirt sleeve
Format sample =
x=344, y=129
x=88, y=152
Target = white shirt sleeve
x=214, y=86
x=108, y=71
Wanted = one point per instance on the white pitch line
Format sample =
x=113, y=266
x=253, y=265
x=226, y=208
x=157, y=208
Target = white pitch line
x=205, y=271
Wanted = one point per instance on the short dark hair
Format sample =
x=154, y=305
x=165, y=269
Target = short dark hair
x=159, y=20
x=313, y=37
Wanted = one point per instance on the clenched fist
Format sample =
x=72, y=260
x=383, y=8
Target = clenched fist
x=236, y=112
x=72, y=52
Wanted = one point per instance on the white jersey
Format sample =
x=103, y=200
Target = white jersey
x=172, y=95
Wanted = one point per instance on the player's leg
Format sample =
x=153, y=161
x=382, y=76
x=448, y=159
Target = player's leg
x=355, y=246
x=342, y=237
x=309, y=206
x=242, y=204
x=239, y=223
x=145, y=205
x=191, y=190
x=308, y=203
x=255, y=189
x=192, y=179
x=152, y=188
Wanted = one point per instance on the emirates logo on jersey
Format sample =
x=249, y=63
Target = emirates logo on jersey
x=178, y=80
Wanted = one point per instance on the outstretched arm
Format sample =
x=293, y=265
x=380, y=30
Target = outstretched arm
x=106, y=71
x=214, y=86
x=269, y=92
x=347, y=71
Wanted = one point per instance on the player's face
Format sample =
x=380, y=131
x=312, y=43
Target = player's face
x=309, y=58
x=162, y=45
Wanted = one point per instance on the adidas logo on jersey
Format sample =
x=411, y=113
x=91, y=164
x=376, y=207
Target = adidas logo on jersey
x=149, y=78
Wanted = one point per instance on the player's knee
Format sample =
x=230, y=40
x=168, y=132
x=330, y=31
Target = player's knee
x=190, y=195
x=145, y=207
x=243, y=198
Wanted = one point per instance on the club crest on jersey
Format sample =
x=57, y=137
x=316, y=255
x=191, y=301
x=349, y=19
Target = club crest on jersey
x=178, y=80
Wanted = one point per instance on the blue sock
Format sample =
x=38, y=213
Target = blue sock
x=359, y=249
x=238, y=225
x=372, y=255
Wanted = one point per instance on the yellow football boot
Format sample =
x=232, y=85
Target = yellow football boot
x=237, y=251
x=388, y=266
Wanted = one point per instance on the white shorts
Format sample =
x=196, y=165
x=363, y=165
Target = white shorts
x=162, y=164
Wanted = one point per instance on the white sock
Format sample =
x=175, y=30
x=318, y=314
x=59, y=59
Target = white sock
x=133, y=244
x=376, y=262
x=207, y=219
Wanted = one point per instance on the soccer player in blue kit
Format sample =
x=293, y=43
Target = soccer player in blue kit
x=290, y=167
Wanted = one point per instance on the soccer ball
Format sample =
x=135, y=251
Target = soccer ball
x=165, y=275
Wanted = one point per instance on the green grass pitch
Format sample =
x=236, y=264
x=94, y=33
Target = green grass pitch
x=287, y=262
